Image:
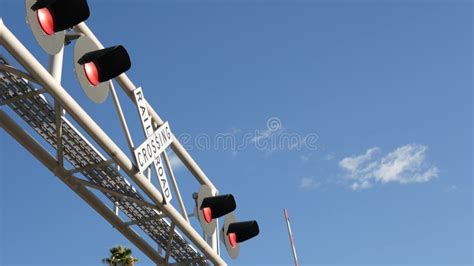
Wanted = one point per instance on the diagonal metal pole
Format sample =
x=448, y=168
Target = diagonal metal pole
x=170, y=240
x=175, y=186
x=290, y=234
x=122, y=119
x=123, y=122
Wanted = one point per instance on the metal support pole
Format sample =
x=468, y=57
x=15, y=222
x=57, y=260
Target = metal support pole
x=29, y=62
x=159, y=252
x=213, y=239
x=290, y=234
x=218, y=246
x=44, y=157
x=175, y=186
x=148, y=173
x=170, y=240
x=123, y=122
x=59, y=132
x=129, y=87
x=56, y=70
x=55, y=66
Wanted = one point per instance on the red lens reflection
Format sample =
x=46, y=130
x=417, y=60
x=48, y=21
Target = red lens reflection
x=92, y=73
x=232, y=239
x=207, y=213
x=45, y=20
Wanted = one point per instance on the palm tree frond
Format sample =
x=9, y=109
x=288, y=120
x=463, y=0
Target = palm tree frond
x=120, y=254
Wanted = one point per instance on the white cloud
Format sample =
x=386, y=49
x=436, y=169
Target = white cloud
x=356, y=163
x=274, y=127
x=309, y=183
x=175, y=162
x=235, y=130
x=305, y=157
x=406, y=164
x=329, y=157
x=361, y=185
x=451, y=188
x=261, y=134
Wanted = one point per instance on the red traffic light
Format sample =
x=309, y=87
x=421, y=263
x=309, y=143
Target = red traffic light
x=232, y=239
x=58, y=15
x=45, y=20
x=92, y=74
x=207, y=213
x=105, y=64
x=242, y=231
x=88, y=72
x=234, y=232
x=207, y=208
x=218, y=206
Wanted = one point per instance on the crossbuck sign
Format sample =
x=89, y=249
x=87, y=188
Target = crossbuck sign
x=151, y=149
x=156, y=143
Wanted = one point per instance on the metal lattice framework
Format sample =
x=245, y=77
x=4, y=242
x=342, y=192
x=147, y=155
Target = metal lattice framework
x=113, y=177
x=40, y=115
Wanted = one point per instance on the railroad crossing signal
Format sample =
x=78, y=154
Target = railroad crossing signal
x=218, y=206
x=59, y=15
x=99, y=92
x=95, y=66
x=105, y=64
x=210, y=207
x=234, y=233
x=49, y=18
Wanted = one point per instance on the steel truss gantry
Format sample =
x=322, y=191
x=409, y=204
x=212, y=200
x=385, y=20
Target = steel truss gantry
x=91, y=170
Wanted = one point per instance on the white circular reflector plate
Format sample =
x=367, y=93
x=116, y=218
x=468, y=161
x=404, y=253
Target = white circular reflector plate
x=204, y=192
x=51, y=44
x=99, y=93
x=232, y=251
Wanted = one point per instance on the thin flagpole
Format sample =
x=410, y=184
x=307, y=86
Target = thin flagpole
x=292, y=241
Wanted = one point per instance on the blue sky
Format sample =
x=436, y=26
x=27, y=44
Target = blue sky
x=386, y=88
